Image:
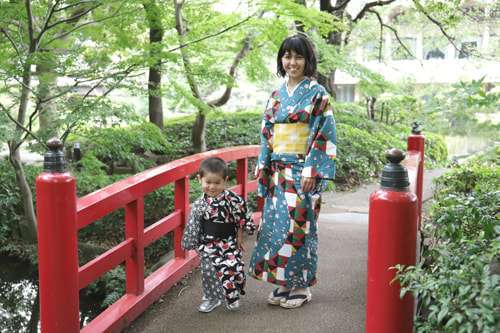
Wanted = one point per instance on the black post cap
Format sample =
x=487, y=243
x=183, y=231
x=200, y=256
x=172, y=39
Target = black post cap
x=416, y=128
x=394, y=174
x=54, y=160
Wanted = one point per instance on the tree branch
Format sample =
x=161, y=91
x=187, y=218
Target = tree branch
x=367, y=7
x=181, y=32
x=436, y=22
x=26, y=130
x=11, y=40
x=227, y=93
x=232, y=71
x=68, y=32
x=212, y=35
x=31, y=29
x=125, y=73
x=382, y=24
x=76, y=4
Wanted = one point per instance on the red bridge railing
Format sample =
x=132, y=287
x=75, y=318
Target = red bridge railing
x=61, y=215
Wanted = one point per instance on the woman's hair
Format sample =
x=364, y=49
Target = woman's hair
x=300, y=45
x=213, y=165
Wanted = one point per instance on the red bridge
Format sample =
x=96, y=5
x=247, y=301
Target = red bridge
x=61, y=215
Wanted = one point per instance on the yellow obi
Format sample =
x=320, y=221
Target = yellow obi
x=290, y=138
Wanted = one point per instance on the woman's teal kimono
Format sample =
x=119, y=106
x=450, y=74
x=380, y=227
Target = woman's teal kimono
x=298, y=139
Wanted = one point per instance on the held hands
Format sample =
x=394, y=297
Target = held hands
x=307, y=184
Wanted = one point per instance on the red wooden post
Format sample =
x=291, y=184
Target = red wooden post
x=57, y=244
x=242, y=176
x=416, y=142
x=181, y=203
x=134, y=228
x=392, y=238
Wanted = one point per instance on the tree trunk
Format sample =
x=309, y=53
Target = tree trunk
x=154, y=82
x=198, y=130
x=35, y=314
x=155, y=100
x=370, y=106
x=198, y=133
x=30, y=232
x=328, y=81
x=28, y=228
x=47, y=107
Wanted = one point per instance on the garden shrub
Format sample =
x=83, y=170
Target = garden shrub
x=126, y=144
x=10, y=200
x=459, y=281
x=436, y=151
x=11, y=208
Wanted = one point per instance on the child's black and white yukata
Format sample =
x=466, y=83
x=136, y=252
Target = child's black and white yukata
x=212, y=229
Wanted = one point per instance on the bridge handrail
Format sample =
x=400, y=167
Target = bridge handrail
x=129, y=192
x=414, y=162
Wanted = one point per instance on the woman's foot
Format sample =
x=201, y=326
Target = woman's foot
x=296, y=298
x=278, y=295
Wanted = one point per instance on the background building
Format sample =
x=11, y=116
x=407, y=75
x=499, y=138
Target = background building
x=434, y=59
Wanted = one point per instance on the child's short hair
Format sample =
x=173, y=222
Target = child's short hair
x=213, y=165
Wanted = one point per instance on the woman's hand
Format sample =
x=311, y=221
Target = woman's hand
x=307, y=184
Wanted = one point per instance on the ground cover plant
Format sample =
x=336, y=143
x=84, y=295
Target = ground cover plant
x=458, y=282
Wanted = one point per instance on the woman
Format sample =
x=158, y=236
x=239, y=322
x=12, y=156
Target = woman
x=296, y=160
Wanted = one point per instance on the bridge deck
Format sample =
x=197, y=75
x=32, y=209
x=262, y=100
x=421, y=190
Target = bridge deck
x=339, y=296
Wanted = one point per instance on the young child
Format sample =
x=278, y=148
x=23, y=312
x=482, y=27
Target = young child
x=215, y=229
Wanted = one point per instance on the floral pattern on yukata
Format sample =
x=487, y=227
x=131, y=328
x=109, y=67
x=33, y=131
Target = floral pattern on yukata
x=222, y=268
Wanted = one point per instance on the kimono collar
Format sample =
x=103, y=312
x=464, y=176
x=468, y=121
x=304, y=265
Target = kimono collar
x=210, y=199
x=290, y=93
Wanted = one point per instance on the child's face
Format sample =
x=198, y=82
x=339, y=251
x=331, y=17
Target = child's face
x=212, y=184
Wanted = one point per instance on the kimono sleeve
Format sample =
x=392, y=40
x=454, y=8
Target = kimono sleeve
x=192, y=231
x=266, y=144
x=242, y=216
x=322, y=144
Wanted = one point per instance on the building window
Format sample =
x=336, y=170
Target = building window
x=494, y=46
x=373, y=49
x=434, y=48
x=466, y=49
x=345, y=92
x=398, y=52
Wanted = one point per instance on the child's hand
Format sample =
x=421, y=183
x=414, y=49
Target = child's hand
x=240, y=240
x=241, y=247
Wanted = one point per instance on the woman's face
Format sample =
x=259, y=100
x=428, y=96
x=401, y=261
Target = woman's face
x=294, y=65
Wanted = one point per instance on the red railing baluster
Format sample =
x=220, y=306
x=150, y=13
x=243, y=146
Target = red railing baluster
x=242, y=176
x=182, y=204
x=134, y=228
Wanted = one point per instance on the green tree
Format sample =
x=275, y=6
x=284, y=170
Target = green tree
x=455, y=111
x=190, y=68
x=354, y=27
x=156, y=32
x=41, y=42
